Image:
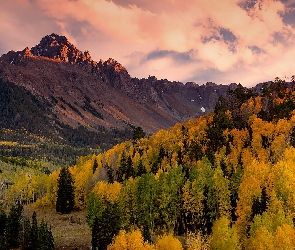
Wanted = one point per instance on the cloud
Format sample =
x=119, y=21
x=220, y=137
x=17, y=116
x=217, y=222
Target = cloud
x=229, y=40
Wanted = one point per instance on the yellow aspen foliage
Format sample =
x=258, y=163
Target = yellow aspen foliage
x=240, y=137
x=284, y=238
x=270, y=139
x=292, y=119
x=254, y=178
x=247, y=157
x=253, y=106
x=281, y=139
x=82, y=176
x=262, y=240
x=174, y=160
x=198, y=241
x=279, y=225
x=197, y=133
x=222, y=192
x=136, y=160
x=129, y=241
x=22, y=190
x=165, y=164
x=128, y=202
x=284, y=179
x=168, y=242
x=262, y=135
x=51, y=191
x=112, y=157
x=108, y=191
x=39, y=182
x=224, y=237
x=192, y=199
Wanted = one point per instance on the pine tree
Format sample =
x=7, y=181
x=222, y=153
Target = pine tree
x=13, y=226
x=45, y=239
x=26, y=242
x=65, y=192
x=141, y=169
x=95, y=166
x=34, y=232
x=138, y=133
x=106, y=226
x=3, y=219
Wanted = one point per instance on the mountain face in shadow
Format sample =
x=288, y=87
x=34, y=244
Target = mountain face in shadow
x=54, y=87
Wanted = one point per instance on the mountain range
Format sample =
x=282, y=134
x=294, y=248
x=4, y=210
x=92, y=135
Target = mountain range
x=57, y=90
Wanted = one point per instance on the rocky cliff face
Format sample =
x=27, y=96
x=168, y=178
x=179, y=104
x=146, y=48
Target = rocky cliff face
x=93, y=94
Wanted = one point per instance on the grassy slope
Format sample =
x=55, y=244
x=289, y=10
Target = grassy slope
x=70, y=231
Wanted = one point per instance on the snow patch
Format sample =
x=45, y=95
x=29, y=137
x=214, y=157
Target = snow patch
x=203, y=109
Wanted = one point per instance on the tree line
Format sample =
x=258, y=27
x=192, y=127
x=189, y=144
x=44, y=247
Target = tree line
x=18, y=231
x=220, y=181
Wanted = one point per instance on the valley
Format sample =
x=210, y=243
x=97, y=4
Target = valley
x=115, y=162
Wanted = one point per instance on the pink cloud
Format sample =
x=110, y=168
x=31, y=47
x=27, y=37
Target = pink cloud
x=129, y=30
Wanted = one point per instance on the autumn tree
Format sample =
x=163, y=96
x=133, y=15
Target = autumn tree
x=168, y=242
x=132, y=241
x=65, y=192
x=224, y=237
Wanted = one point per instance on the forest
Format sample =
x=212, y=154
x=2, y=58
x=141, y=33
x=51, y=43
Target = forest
x=220, y=181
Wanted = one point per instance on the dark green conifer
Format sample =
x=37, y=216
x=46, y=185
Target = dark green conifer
x=95, y=166
x=34, y=232
x=45, y=239
x=3, y=219
x=26, y=242
x=138, y=133
x=65, y=192
x=106, y=226
x=13, y=226
x=141, y=169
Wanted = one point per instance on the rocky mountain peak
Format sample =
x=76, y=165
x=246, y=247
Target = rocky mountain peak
x=59, y=48
x=52, y=46
x=118, y=67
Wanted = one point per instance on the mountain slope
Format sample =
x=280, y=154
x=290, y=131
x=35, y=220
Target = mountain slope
x=76, y=91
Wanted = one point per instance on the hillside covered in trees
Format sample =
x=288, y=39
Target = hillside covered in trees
x=225, y=180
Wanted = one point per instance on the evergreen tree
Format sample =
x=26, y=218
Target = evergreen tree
x=13, y=226
x=45, y=239
x=122, y=168
x=129, y=168
x=138, y=133
x=65, y=192
x=3, y=219
x=95, y=166
x=106, y=226
x=26, y=242
x=141, y=169
x=34, y=232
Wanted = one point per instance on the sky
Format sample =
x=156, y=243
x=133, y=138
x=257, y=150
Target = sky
x=221, y=41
